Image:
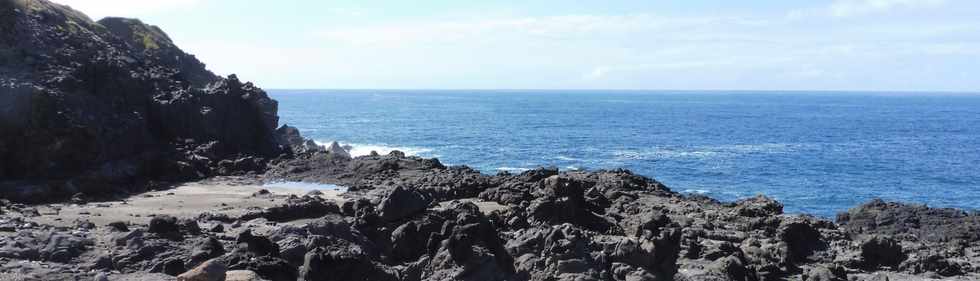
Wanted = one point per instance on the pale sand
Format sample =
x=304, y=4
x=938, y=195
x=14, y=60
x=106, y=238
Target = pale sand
x=185, y=201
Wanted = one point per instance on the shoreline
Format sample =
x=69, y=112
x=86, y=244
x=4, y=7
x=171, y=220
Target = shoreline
x=619, y=206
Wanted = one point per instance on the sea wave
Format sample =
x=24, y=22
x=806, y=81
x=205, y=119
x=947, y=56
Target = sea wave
x=360, y=149
x=705, y=152
x=512, y=169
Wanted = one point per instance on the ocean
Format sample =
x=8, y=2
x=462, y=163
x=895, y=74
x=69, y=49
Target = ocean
x=816, y=152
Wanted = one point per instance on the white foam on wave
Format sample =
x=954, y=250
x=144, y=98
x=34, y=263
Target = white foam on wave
x=705, y=152
x=512, y=169
x=697, y=191
x=566, y=158
x=359, y=149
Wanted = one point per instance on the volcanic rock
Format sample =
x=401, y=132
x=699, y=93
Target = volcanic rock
x=212, y=270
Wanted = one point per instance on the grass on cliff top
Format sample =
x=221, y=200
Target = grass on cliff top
x=149, y=43
x=35, y=6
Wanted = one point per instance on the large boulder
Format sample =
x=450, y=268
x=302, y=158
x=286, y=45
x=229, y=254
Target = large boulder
x=342, y=264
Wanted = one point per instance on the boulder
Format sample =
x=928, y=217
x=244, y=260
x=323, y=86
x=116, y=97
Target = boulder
x=211, y=270
x=337, y=151
x=401, y=203
x=163, y=225
x=257, y=245
x=758, y=206
x=118, y=226
x=801, y=237
x=824, y=273
x=351, y=263
x=881, y=251
x=732, y=268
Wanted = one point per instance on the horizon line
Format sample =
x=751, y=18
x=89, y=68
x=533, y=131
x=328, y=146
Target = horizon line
x=953, y=92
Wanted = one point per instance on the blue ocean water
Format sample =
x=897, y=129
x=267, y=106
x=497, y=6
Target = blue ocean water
x=818, y=153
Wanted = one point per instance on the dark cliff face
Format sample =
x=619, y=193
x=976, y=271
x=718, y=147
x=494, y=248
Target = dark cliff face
x=114, y=101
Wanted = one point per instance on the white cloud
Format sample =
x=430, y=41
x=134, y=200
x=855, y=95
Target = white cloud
x=844, y=8
x=97, y=9
x=596, y=73
x=565, y=27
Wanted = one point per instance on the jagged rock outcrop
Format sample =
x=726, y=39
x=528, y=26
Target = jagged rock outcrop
x=90, y=106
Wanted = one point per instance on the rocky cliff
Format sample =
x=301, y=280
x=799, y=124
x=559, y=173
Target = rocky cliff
x=87, y=106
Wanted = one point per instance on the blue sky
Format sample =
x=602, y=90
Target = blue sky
x=880, y=45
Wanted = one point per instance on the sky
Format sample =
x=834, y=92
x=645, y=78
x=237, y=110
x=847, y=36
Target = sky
x=858, y=45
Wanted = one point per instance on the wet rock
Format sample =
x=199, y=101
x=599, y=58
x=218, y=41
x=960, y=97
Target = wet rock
x=211, y=270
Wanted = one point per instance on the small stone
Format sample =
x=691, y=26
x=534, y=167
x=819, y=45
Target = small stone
x=261, y=192
x=118, y=226
x=242, y=275
x=102, y=276
x=79, y=198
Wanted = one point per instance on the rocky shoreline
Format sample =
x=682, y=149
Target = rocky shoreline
x=126, y=159
x=408, y=218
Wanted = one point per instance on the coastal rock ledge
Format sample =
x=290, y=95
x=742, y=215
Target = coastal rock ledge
x=102, y=124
